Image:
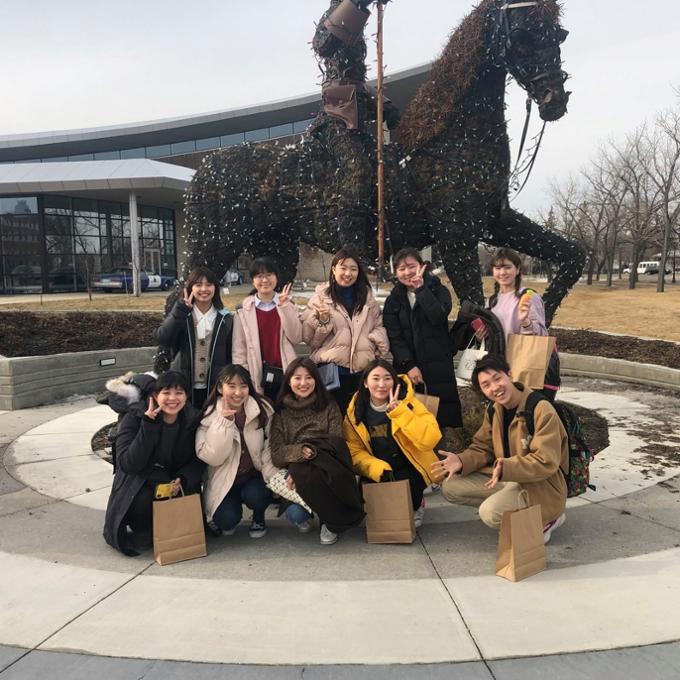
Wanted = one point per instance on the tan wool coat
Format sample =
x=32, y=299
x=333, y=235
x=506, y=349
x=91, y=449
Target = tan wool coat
x=539, y=463
x=349, y=342
x=246, y=350
x=218, y=443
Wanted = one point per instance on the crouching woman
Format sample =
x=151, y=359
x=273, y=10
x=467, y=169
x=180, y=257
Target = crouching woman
x=233, y=439
x=154, y=447
x=307, y=439
x=390, y=434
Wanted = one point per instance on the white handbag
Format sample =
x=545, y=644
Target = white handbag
x=279, y=485
x=468, y=359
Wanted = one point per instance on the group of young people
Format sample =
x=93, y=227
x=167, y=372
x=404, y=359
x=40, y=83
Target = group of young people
x=243, y=414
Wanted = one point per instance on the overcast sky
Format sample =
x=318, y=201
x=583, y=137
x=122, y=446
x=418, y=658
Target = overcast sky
x=76, y=63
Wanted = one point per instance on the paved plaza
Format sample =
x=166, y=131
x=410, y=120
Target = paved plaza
x=287, y=607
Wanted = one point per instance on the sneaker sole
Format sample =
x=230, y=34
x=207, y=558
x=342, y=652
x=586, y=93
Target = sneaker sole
x=327, y=542
x=558, y=523
x=257, y=534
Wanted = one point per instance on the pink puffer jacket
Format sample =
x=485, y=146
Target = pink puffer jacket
x=351, y=343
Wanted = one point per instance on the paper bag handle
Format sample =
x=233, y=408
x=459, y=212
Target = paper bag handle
x=523, y=495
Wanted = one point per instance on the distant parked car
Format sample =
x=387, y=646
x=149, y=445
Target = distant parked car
x=233, y=277
x=160, y=281
x=119, y=279
x=651, y=268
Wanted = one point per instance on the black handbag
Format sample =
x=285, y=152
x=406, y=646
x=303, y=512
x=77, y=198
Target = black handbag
x=272, y=377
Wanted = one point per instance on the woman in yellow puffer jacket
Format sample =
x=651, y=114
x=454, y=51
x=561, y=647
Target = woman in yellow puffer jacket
x=390, y=434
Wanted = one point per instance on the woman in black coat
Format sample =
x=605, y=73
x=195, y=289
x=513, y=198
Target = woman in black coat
x=153, y=447
x=416, y=317
x=199, y=329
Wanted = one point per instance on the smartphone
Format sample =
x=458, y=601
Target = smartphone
x=477, y=325
x=163, y=491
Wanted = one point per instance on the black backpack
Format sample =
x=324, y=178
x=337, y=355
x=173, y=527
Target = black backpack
x=580, y=454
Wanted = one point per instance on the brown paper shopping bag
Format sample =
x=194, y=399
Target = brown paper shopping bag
x=528, y=357
x=429, y=401
x=178, y=532
x=389, y=512
x=521, y=552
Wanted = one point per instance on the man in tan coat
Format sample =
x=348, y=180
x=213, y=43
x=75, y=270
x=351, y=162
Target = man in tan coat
x=504, y=459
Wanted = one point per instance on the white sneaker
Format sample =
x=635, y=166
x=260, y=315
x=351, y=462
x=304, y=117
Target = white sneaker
x=419, y=515
x=305, y=527
x=327, y=537
x=551, y=526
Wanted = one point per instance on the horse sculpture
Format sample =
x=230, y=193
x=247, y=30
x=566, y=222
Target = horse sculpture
x=446, y=177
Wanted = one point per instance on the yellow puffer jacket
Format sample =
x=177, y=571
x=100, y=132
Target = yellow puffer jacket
x=414, y=429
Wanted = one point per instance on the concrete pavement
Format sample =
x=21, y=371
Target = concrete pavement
x=285, y=606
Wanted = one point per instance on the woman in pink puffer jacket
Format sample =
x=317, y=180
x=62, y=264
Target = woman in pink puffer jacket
x=343, y=325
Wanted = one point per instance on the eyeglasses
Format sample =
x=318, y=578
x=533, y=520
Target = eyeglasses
x=264, y=277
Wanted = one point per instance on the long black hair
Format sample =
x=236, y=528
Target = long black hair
x=363, y=395
x=513, y=257
x=233, y=371
x=198, y=273
x=322, y=397
x=361, y=285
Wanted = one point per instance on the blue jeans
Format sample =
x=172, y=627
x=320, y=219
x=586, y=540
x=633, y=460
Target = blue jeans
x=252, y=493
x=297, y=514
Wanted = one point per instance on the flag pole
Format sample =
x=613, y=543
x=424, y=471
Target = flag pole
x=380, y=140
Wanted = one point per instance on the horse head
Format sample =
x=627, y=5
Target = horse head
x=526, y=42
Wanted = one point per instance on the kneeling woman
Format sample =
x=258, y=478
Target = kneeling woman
x=153, y=447
x=390, y=434
x=233, y=439
x=307, y=439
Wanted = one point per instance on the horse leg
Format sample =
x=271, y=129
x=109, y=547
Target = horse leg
x=462, y=267
x=517, y=231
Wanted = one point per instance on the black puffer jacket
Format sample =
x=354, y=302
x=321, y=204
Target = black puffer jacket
x=137, y=446
x=177, y=333
x=420, y=337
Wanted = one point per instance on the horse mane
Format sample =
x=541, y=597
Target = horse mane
x=429, y=112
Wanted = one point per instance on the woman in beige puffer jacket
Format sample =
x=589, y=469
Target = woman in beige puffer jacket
x=343, y=323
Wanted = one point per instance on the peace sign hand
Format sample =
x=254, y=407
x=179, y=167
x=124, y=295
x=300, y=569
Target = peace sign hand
x=323, y=313
x=284, y=295
x=417, y=281
x=188, y=299
x=394, y=399
x=152, y=412
x=227, y=411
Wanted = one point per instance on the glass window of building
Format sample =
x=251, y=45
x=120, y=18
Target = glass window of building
x=158, y=151
x=281, y=130
x=231, y=140
x=107, y=155
x=139, y=152
x=257, y=135
x=21, y=205
x=183, y=147
x=207, y=144
x=301, y=125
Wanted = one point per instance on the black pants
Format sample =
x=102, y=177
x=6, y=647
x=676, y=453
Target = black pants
x=140, y=514
x=349, y=384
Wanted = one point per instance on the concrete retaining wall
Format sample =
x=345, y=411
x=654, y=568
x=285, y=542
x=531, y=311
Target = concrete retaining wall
x=32, y=381
x=619, y=369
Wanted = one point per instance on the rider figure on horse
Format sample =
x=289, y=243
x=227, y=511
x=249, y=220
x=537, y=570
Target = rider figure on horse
x=346, y=121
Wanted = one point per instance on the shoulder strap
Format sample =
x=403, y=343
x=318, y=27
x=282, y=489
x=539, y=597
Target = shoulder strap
x=529, y=407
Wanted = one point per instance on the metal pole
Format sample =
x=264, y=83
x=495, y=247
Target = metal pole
x=134, y=242
x=380, y=138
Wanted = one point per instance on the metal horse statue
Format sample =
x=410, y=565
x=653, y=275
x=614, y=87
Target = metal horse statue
x=446, y=178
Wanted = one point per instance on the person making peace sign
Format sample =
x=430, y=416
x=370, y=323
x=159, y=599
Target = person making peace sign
x=266, y=329
x=416, y=316
x=390, y=434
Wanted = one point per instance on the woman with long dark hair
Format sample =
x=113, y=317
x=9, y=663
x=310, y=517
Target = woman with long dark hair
x=266, y=328
x=390, y=434
x=199, y=329
x=307, y=439
x=416, y=317
x=343, y=325
x=233, y=439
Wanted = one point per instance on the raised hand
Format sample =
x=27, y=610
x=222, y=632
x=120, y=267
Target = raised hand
x=227, y=411
x=284, y=295
x=323, y=312
x=449, y=465
x=152, y=412
x=188, y=299
x=524, y=307
x=394, y=399
x=308, y=452
x=175, y=487
x=417, y=281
